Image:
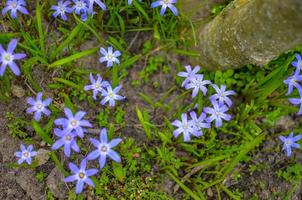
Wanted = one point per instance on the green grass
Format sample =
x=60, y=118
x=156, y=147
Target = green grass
x=206, y=162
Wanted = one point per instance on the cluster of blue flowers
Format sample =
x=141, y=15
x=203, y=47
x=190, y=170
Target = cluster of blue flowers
x=72, y=126
x=293, y=82
x=79, y=7
x=220, y=105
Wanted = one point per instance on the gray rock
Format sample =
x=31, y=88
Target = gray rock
x=55, y=182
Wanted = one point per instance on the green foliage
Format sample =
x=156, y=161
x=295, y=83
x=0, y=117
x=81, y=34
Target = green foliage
x=16, y=126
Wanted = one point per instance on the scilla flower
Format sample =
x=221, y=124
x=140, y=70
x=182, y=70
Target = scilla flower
x=97, y=86
x=98, y=2
x=111, y=96
x=67, y=139
x=222, y=95
x=38, y=106
x=292, y=82
x=297, y=64
x=289, y=142
x=73, y=122
x=80, y=8
x=8, y=57
x=104, y=149
x=109, y=56
x=198, y=84
x=164, y=5
x=184, y=126
x=25, y=154
x=189, y=74
x=217, y=113
x=199, y=123
x=81, y=175
x=61, y=9
x=14, y=6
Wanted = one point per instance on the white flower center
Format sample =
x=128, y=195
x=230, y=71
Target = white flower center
x=73, y=123
x=109, y=56
x=97, y=85
x=218, y=113
x=185, y=126
x=110, y=94
x=288, y=142
x=7, y=58
x=293, y=80
x=39, y=106
x=67, y=138
x=25, y=154
x=81, y=175
x=14, y=5
x=166, y=1
x=62, y=9
x=103, y=149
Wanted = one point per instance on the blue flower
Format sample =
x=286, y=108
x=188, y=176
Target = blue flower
x=297, y=64
x=73, y=122
x=81, y=175
x=292, y=82
x=109, y=56
x=38, y=106
x=111, y=95
x=25, y=154
x=217, y=113
x=222, y=95
x=8, y=57
x=96, y=85
x=289, y=142
x=198, y=123
x=197, y=84
x=104, y=149
x=80, y=8
x=14, y=6
x=61, y=9
x=297, y=101
x=99, y=2
x=164, y=4
x=184, y=126
x=66, y=139
x=130, y=2
x=189, y=74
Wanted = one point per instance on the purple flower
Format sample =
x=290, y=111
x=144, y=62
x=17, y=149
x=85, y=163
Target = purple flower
x=198, y=84
x=184, y=126
x=8, y=57
x=222, y=95
x=130, y=2
x=297, y=64
x=297, y=101
x=292, y=82
x=164, y=4
x=66, y=139
x=73, y=122
x=99, y=2
x=289, y=142
x=198, y=123
x=96, y=85
x=38, y=106
x=81, y=175
x=109, y=56
x=25, y=154
x=111, y=95
x=14, y=6
x=61, y=9
x=217, y=113
x=104, y=149
x=80, y=8
x=189, y=74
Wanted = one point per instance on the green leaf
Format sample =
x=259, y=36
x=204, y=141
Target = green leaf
x=73, y=57
x=141, y=10
x=42, y=134
x=40, y=28
x=67, y=41
x=144, y=122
